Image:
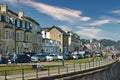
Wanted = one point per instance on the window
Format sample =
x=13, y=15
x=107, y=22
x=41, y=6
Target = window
x=13, y=20
x=23, y=24
x=7, y=35
x=7, y=19
x=18, y=23
x=28, y=25
x=20, y=36
x=59, y=36
x=2, y=18
x=10, y=34
x=27, y=37
x=6, y=49
x=17, y=36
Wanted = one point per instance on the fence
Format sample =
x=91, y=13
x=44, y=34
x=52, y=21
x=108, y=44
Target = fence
x=35, y=73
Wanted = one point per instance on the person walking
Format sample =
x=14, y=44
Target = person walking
x=14, y=58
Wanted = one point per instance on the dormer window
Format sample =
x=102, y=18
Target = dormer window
x=7, y=19
x=28, y=25
x=23, y=24
x=12, y=20
x=18, y=23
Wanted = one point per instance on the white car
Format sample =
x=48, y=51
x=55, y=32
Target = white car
x=60, y=57
x=38, y=57
x=75, y=56
x=54, y=57
x=49, y=58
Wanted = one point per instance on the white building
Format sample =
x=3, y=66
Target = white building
x=45, y=33
x=50, y=46
x=73, y=41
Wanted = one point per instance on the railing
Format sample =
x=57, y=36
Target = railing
x=35, y=73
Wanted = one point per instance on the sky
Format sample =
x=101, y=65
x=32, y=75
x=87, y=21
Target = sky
x=99, y=19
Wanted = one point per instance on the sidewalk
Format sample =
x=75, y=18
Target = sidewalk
x=50, y=72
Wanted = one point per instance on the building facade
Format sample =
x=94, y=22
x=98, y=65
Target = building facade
x=56, y=34
x=59, y=35
x=18, y=33
x=73, y=41
x=50, y=46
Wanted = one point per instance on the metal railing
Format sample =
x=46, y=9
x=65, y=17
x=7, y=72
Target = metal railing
x=35, y=73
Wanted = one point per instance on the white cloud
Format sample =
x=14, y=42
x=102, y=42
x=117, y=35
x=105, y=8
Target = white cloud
x=100, y=22
x=85, y=18
x=111, y=19
x=13, y=2
x=116, y=12
x=62, y=14
x=90, y=32
x=63, y=27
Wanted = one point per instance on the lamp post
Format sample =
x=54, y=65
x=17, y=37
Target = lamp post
x=63, y=49
x=92, y=49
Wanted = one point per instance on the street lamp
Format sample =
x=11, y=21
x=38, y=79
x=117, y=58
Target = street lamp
x=63, y=49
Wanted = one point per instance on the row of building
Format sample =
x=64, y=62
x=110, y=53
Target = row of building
x=22, y=34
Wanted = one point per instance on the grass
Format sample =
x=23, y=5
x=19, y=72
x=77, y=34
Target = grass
x=83, y=60
x=17, y=69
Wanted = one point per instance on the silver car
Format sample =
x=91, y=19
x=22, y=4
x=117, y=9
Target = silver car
x=38, y=57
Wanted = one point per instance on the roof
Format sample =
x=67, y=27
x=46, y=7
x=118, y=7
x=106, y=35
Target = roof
x=59, y=29
x=45, y=29
x=31, y=20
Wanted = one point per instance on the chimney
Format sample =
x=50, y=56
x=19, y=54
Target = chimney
x=20, y=14
x=4, y=8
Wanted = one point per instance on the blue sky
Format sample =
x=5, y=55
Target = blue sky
x=98, y=19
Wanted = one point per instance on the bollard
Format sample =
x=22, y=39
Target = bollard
x=22, y=74
x=58, y=70
x=37, y=73
x=74, y=67
x=5, y=75
x=67, y=68
x=80, y=66
x=89, y=64
x=48, y=71
x=85, y=66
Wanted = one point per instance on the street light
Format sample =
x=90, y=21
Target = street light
x=63, y=49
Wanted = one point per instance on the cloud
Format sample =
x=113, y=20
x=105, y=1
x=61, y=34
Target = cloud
x=13, y=2
x=89, y=32
x=58, y=13
x=100, y=22
x=116, y=12
x=62, y=14
x=63, y=27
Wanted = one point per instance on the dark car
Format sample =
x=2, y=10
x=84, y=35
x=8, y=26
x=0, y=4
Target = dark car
x=3, y=60
x=23, y=59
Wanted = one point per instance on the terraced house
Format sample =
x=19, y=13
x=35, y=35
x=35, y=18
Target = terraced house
x=18, y=33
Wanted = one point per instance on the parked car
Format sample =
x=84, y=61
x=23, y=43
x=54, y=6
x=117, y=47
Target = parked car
x=98, y=54
x=3, y=60
x=80, y=56
x=38, y=57
x=23, y=59
x=60, y=57
x=54, y=57
x=49, y=58
x=68, y=56
x=75, y=56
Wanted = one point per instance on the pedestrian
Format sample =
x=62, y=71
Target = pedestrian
x=40, y=66
x=14, y=58
x=0, y=58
